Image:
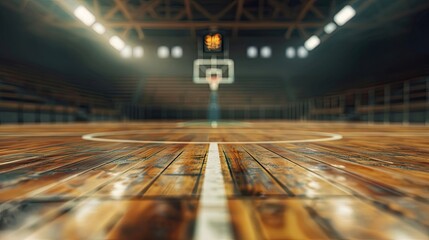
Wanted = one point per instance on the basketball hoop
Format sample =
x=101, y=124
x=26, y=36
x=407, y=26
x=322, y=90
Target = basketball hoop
x=213, y=82
x=214, y=72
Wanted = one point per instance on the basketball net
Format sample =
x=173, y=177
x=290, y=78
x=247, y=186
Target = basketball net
x=213, y=82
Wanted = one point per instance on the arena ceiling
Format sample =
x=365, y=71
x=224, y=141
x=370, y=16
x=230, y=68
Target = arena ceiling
x=139, y=19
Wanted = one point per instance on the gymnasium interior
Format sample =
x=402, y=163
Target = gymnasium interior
x=214, y=119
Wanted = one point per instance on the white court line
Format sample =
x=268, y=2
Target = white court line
x=213, y=219
x=18, y=160
x=99, y=137
x=41, y=134
x=385, y=134
x=207, y=123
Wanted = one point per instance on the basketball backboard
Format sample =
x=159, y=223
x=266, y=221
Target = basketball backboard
x=213, y=71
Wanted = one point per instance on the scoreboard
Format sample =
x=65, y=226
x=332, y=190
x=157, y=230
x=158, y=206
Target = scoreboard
x=213, y=43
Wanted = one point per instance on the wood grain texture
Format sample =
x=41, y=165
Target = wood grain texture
x=372, y=184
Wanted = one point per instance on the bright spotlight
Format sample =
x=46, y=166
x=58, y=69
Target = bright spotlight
x=176, y=52
x=84, y=15
x=163, y=52
x=290, y=52
x=126, y=52
x=98, y=28
x=252, y=52
x=117, y=43
x=138, y=52
x=344, y=15
x=330, y=27
x=312, y=42
x=302, y=52
x=266, y=52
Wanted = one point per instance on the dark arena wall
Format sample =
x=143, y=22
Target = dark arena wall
x=372, y=75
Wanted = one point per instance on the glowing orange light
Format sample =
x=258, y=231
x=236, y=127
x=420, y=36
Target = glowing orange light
x=213, y=42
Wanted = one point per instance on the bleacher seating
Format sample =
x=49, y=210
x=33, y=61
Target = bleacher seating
x=401, y=101
x=181, y=98
x=28, y=94
x=182, y=91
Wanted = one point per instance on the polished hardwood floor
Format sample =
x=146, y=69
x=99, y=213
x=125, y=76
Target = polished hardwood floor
x=278, y=180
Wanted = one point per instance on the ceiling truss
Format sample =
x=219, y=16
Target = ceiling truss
x=297, y=18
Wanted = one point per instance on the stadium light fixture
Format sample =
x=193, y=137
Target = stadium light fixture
x=99, y=28
x=302, y=52
x=126, y=52
x=84, y=15
x=330, y=27
x=312, y=42
x=266, y=52
x=163, y=52
x=176, y=52
x=252, y=52
x=344, y=15
x=117, y=43
x=290, y=52
x=138, y=52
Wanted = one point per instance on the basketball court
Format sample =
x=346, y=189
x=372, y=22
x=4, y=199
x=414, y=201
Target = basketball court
x=166, y=119
x=240, y=180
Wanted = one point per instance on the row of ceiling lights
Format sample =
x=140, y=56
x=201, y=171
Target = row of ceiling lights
x=165, y=52
x=126, y=51
x=265, y=52
x=162, y=52
x=343, y=16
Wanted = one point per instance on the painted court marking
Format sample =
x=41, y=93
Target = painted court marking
x=100, y=137
x=41, y=134
x=213, y=219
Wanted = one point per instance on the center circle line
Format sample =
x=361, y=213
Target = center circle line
x=99, y=137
